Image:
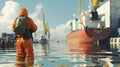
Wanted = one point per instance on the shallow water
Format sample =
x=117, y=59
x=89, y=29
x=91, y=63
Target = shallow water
x=57, y=55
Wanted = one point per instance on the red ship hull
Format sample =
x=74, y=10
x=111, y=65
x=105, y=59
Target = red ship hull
x=79, y=37
x=85, y=40
x=97, y=33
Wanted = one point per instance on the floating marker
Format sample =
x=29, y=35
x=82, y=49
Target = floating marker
x=61, y=65
x=67, y=65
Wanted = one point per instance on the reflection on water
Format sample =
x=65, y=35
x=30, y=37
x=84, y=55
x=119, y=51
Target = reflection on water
x=57, y=54
x=82, y=48
x=45, y=48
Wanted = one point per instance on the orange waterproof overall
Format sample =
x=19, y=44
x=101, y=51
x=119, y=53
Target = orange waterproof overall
x=24, y=47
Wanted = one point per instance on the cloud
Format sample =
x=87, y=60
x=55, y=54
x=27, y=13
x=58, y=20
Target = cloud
x=36, y=11
x=10, y=11
x=7, y=15
x=59, y=32
x=35, y=15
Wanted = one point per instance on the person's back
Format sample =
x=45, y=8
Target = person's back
x=24, y=46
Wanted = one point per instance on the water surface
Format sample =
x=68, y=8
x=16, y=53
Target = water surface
x=56, y=54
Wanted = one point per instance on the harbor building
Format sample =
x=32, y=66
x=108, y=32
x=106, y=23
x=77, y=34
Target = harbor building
x=110, y=14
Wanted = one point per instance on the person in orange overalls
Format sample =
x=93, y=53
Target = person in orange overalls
x=24, y=47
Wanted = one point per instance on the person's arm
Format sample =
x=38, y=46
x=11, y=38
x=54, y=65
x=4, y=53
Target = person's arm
x=13, y=25
x=31, y=25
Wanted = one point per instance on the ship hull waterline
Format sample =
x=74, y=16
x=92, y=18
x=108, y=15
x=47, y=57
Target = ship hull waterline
x=84, y=40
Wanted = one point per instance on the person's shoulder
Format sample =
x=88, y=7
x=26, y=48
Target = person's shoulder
x=29, y=18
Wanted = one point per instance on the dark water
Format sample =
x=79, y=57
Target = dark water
x=56, y=54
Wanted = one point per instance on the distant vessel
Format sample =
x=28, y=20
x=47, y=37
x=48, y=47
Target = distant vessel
x=86, y=28
x=45, y=37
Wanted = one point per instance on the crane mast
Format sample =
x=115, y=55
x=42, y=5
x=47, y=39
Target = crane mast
x=79, y=7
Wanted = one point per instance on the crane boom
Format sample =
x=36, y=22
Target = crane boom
x=79, y=7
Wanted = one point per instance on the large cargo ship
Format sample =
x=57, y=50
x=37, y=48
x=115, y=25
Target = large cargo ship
x=86, y=29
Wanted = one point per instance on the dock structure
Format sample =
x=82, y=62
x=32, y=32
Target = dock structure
x=109, y=13
x=6, y=44
x=115, y=44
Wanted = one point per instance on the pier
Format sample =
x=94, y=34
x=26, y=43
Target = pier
x=6, y=44
x=109, y=13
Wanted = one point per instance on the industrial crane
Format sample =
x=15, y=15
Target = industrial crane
x=94, y=4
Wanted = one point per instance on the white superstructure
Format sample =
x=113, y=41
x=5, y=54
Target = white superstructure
x=110, y=13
